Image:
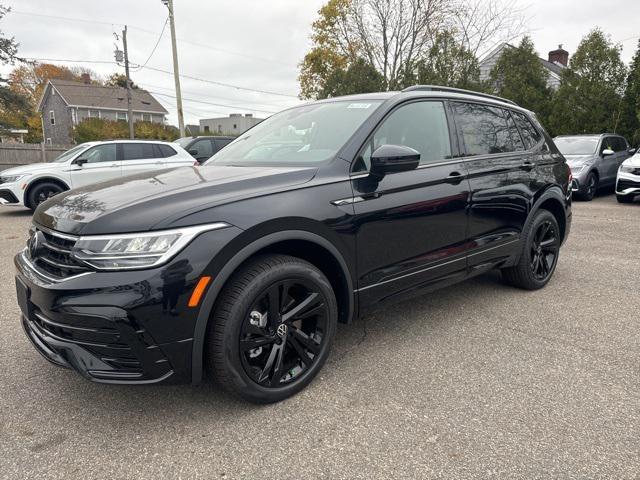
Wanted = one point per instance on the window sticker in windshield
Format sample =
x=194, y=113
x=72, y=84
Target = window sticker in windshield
x=359, y=105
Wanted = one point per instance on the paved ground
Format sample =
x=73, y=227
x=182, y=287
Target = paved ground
x=476, y=381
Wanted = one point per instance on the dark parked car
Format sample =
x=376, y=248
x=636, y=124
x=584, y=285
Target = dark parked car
x=594, y=160
x=243, y=267
x=203, y=148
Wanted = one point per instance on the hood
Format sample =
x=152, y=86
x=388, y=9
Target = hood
x=633, y=161
x=32, y=168
x=575, y=160
x=158, y=201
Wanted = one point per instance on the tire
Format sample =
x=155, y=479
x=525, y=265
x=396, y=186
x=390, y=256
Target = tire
x=624, y=198
x=274, y=312
x=42, y=192
x=590, y=188
x=539, y=255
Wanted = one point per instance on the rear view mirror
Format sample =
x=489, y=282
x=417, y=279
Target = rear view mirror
x=80, y=161
x=607, y=151
x=631, y=151
x=393, y=159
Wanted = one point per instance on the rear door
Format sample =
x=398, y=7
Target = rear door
x=140, y=157
x=411, y=226
x=102, y=163
x=202, y=149
x=220, y=143
x=609, y=163
x=500, y=173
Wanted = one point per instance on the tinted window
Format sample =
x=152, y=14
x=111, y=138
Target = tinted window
x=202, y=148
x=607, y=144
x=530, y=134
x=577, y=145
x=620, y=145
x=101, y=153
x=166, y=151
x=419, y=125
x=486, y=130
x=137, y=151
x=221, y=142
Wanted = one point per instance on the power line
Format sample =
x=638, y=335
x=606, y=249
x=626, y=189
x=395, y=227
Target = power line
x=213, y=104
x=155, y=46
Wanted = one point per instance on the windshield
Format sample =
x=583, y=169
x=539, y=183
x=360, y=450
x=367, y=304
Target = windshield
x=184, y=141
x=69, y=154
x=577, y=145
x=306, y=135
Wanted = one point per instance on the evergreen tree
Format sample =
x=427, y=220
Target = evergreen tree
x=589, y=99
x=630, y=117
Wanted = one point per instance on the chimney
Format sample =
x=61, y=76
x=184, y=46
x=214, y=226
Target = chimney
x=560, y=56
x=86, y=78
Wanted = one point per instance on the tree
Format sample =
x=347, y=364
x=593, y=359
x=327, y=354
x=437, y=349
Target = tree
x=119, y=80
x=396, y=37
x=95, y=129
x=449, y=64
x=589, y=98
x=630, y=117
x=359, y=77
x=519, y=76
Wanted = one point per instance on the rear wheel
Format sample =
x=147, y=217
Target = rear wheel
x=539, y=256
x=272, y=329
x=624, y=198
x=41, y=192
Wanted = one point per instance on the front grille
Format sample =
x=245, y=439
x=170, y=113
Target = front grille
x=50, y=254
x=623, y=184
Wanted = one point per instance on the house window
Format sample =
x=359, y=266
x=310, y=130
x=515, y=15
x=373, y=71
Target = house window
x=219, y=128
x=121, y=116
x=146, y=117
x=235, y=126
x=48, y=141
x=206, y=128
x=94, y=113
x=52, y=117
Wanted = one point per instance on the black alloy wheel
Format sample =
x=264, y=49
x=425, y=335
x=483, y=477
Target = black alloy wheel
x=283, y=332
x=43, y=192
x=539, y=255
x=271, y=329
x=591, y=187
x=544, y=250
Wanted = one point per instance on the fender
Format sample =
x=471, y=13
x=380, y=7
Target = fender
x=46, y=177
x=223, y=275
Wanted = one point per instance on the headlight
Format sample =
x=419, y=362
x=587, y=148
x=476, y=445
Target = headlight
x=136, y=250
x=12, y=178
x=576, y=169
x=630, y=169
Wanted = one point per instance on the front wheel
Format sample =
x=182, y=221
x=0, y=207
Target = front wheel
x=590, y=188
x=272, y=328
x=539, y=255
x=42, y=192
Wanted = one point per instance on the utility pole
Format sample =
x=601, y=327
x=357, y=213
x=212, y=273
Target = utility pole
x=126, y=69
x=176, y=72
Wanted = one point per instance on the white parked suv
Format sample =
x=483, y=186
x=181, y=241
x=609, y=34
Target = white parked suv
x=90, y=162
x=628, y=181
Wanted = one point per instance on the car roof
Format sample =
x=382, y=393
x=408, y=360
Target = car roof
x=123, y=140
x=590, y=135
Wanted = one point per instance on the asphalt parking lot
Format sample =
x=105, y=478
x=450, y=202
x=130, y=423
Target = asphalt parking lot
x=476, y=381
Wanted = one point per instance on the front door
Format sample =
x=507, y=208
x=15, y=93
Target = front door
x=101, y=164
x=411, y=225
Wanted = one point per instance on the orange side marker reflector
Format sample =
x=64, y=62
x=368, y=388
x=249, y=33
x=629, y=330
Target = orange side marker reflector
x=198, y=291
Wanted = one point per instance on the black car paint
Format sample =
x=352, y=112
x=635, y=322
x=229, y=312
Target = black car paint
x=474, y=209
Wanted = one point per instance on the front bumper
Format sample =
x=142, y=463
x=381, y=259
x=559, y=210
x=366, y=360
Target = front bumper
x=8, y=197
x=118, y=327
x=628, y=184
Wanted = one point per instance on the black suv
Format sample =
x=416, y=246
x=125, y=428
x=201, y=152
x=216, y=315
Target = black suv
x=203, y=148
x=243, y=267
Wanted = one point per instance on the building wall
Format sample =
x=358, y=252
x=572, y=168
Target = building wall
x=228, y=125
x=60, y=133
x=488, y=63
x=83, y=114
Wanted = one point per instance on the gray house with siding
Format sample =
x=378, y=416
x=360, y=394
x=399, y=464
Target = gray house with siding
x=65, y=103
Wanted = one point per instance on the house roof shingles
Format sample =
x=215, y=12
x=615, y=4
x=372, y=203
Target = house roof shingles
x=79, y=94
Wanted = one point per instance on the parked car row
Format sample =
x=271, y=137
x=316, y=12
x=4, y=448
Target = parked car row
x=599, y=161
x=94, y=162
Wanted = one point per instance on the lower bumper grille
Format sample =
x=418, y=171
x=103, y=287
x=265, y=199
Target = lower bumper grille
x=624, y=183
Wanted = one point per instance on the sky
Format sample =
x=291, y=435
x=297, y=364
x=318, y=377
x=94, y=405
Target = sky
x=253, y=44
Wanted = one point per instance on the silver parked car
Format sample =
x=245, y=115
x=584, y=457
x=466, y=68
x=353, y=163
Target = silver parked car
x=628, y=184
x=594, y=160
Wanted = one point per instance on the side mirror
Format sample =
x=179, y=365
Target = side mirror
x=80, y=161
x=607, y=151
x=393, y=159
x=631, y=151
x=193, y=152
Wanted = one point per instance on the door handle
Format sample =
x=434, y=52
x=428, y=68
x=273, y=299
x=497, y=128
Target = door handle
x=527, y=165
x=115, y=165
x=454, y=178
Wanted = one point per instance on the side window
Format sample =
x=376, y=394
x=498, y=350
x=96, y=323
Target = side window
x=137, y=151
x=486, y=130
x=607, y=144
x=166, y=151
x=221, y=142
x=516, y=139
x=203, y=147
x=419, y=125
x=530, y=134
x=620, y=144
x=101, y=153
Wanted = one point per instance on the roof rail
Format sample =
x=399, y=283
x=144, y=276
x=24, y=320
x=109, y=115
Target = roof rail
x=436, y=88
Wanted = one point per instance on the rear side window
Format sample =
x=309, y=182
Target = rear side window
x=201, y=148
x=619, y=143
x=221, y=142
x=486, y=130
x=137, y=151
x=530, y=134
x=165, y=151
x=419, y=125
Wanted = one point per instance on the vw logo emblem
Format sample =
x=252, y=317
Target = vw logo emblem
x=282, y=330
x=35, y=244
